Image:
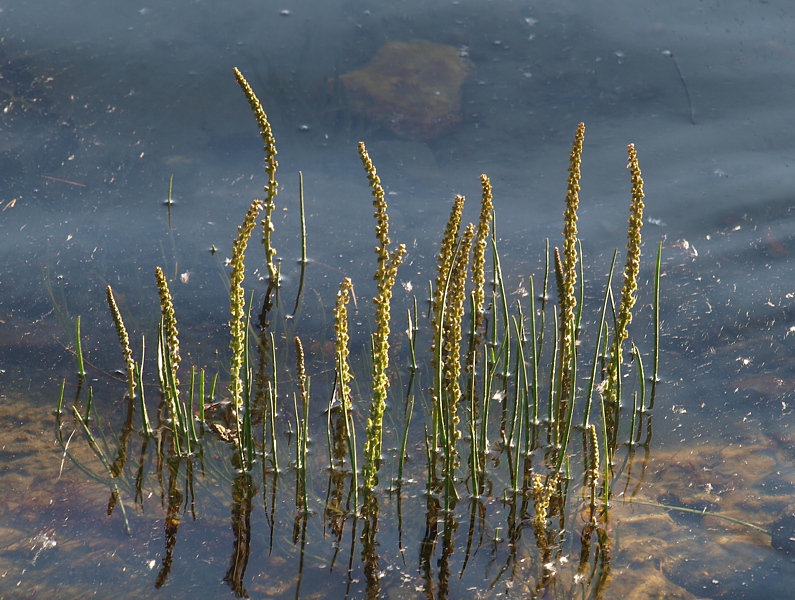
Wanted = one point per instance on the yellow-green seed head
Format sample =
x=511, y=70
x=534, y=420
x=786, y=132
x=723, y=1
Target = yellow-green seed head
x=169, y=320
x=342, y=339
x=385, y=276
x=479, y=248
x=237, y=301
x=272, y=187
x=124, y=340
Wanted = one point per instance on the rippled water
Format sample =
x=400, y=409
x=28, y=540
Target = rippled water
x=102, y=105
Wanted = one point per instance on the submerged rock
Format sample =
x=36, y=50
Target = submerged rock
x=413, y=89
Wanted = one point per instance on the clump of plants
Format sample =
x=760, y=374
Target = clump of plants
x=506, y=388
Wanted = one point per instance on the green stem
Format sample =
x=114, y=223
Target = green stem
x=81, y=370
x=656, y=363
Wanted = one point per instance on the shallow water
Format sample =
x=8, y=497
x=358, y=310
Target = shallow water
x=102, y=105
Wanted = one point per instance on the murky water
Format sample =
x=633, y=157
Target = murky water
x=102, y=105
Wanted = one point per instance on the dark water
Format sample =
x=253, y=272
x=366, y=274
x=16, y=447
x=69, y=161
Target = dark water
x=102, y=105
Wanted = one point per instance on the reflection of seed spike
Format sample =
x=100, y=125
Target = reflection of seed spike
x=592, y=465
x=684, y=85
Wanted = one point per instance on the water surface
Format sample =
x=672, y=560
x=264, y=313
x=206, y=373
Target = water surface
x=103, y=105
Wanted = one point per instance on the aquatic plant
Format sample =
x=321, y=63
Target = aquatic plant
x=385, y=275
x=447, y=358
x=479, y=248
x=81, y=368
x=494, y=371
x=124, y=341
x=566, y=272
x=301, y=424
x=168, y=359
x=237, y=302
x=344, y=377
x=169, y=323
x=611, y=389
